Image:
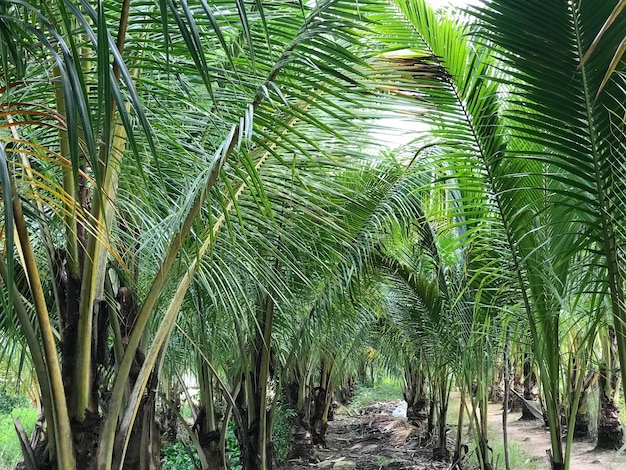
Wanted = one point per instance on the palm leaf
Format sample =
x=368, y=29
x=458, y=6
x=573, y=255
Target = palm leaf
x=619, y=53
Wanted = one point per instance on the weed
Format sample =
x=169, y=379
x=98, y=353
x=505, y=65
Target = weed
x=382, y=461
x=281, y=432
x=385, y=389
x=233, y=451
x=179, y=456
x=10, y=402
x=10, y=450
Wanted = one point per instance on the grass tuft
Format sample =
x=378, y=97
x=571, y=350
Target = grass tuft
x=10, y=450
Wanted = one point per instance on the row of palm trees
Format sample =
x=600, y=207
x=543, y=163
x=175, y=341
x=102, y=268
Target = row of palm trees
x=536, y=202
x=195, y=186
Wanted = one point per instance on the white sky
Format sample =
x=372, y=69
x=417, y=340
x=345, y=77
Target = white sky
x=402, y=131
x=454, y=3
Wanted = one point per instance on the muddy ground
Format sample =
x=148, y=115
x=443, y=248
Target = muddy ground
x=373, y=439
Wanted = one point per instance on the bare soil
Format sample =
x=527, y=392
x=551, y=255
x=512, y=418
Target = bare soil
x=534, y=439
x=373, y=439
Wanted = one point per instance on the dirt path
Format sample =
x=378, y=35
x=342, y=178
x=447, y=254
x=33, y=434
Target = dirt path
x=535, y=440
x=371, y=440
x=375, y=440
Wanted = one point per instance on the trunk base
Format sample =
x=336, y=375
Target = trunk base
x=441, y=454
x=417, y=413
x=582, y=428
x=301, y=444
x=610, y=431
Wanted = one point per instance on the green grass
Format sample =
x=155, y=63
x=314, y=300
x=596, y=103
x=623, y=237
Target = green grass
x=518, y=458
x=384, y=389
x=10, y=451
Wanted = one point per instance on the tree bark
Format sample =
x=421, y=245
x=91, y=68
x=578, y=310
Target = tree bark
x=582, y=424
x=610, y=431
x=253, y=429
x=440, y=451
x=313, y=412
x=144, y=449
x=496, y=388
x=169, y=410
x=208, y=420
x=415, y=394
x=346, y=391
x=530, y=387
x=209, y=439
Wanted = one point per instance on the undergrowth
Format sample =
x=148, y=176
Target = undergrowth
x=179, y=456
x=10, y=450
x=281, y=432
x=233, y=453
x=384, y=389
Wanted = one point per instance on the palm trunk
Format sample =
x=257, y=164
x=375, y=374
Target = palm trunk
x=496, y=388
x=247, y=428
x=299, y=397
x=144, y=442
x=253, y=429
x=440, y=451
x=610, y=431
x=321, y=395
x=582, y=423
x=505, y=408
x=301, y=437
x=478, y=416
x=515, y=402
x=483, y=441
x=579, y=382
x=207, y=426
x=415, y=394
x=346, y=391
x=530, y=386
x=430, y=425
x=459, y=446
x=170, y=410
x=144, y=448
x=64, y=449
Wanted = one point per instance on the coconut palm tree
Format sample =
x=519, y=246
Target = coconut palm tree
x=593, y=98
x=425, y=319
x=515, y=144
x=142, y=145
x=94, y=99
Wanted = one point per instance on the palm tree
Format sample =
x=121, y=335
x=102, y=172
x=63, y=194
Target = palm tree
x=143, y=145
x=599, y=136
x=88, y=136
x=426, y=320
x=523, y=153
